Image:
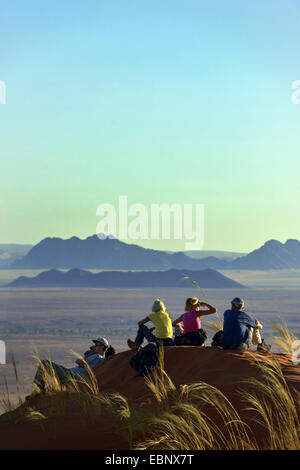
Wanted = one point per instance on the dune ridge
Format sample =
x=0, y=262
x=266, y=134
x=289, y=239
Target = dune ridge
x=225, y=370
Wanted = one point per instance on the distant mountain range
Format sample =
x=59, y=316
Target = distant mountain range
x=272, y=255
x=94, y=253
x=199, y=254
x=208, y=278
x=11, y=252
x=15, y=248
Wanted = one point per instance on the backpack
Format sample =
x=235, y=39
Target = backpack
x=194, y=338
x=216, y=341
x=146, y=359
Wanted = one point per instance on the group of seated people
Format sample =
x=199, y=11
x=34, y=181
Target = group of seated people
x=239, y=329
x=239, y=332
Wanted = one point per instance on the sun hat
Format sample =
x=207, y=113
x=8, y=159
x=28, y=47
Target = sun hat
x=101, y=341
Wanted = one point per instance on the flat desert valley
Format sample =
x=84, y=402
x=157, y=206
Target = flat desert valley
x=57, y=322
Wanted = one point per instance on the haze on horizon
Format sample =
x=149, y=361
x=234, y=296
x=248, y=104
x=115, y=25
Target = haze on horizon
x=180, y=102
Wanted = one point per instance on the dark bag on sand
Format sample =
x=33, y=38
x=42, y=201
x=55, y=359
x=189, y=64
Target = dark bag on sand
x=216, y=341
x=194, y=338
x=146, y=359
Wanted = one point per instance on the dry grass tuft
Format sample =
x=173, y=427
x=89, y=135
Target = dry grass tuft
x=273, y=406
x=180, y=421
x=284, y=338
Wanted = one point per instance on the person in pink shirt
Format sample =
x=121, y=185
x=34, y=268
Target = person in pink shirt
x=191, y=333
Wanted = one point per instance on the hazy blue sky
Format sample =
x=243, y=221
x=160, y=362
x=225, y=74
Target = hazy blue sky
x=165, y=102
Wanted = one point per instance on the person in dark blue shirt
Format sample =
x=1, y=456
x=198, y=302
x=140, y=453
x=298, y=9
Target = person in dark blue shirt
x=237, y=328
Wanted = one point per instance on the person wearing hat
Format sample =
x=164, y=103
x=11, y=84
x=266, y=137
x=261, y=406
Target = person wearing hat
x=191, y=334
x=63, y=374
x=110, y=351
x=239, y=328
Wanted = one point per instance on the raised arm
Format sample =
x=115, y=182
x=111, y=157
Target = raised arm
x=175, y=322
x=211, y=309
x=142, y=322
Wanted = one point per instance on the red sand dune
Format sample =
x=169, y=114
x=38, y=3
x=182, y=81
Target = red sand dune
x=184, y=365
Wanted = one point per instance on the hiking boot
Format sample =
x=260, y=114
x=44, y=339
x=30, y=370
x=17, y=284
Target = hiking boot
x=263, y=347
x=131, y=344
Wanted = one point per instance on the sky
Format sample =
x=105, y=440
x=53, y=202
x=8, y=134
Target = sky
x=173, y=102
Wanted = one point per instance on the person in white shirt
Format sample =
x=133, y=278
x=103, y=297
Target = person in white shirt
x=96, y=356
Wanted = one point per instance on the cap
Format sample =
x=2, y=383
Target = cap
x=238, y=302
x=101, y=341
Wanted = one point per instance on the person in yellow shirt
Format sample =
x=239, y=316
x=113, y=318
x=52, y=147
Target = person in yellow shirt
x=162, y=324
